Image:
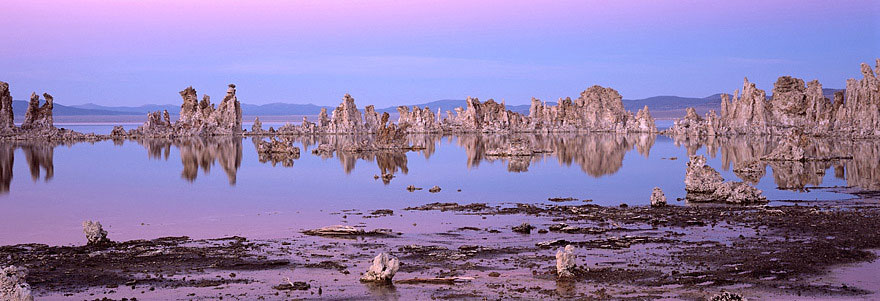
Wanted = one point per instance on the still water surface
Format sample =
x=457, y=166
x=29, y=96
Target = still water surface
x=219, y=187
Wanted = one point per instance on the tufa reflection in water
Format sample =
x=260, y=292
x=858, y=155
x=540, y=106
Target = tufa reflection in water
x=855, y=161
x=39, y=156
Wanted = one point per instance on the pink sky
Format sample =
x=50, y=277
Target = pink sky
x=514, y=49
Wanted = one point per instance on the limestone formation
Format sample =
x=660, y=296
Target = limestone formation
x=658, y=199
x=6, y=115
x=598, y=109
x=383, y=269
x=118, y=131
x=13, y=286
x=38, y=117
x=346, y=118
x=566, y=262
x=197, y=118
x=704, y=184
x=793, y=106
x=418, y=120
x=277, y=151
x=257, y=128
x=95, y=233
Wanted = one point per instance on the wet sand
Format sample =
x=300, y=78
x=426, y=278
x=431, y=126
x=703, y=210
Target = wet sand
x=796, y=251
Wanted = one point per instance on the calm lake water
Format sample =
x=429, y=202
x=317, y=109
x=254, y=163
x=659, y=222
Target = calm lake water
x=219, y=187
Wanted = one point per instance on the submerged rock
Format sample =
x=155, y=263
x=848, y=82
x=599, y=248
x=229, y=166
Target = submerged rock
x=383, y=269
x=525, y=228
x=280, y=150
x=346, y=231
x=704, y=184
x=566, y=262
x=658, y=199
x=95, y=233
x=13, y=286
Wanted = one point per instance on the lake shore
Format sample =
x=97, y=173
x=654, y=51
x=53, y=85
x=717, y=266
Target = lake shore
x=690, y=252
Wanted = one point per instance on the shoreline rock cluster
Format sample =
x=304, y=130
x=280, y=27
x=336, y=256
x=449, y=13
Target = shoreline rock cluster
x=38, y=120
x=705, y=184
x=793, y=106
x=598, y=109
x=197, y=118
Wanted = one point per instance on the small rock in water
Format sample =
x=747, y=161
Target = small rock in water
x=293, y=286
x=412, y=188
x=13, y=286
x=566, y=262
x=95, y=233
x=434, y=189
x=525, y=228
x=728, y=296
x=383, y=269
x=658, y=199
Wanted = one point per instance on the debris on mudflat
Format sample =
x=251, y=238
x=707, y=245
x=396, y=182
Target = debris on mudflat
x=346, y=231
x=434, y=189
x=383, y=269
x=728, y=296
x=704, y=184
x=292, y=286
x=658, y=199
x=525, y=228
x=95, y=233
x=559, y=200
x=382, y=212
x=450, y=207
x=435, y=280
x=566, y=262
x=13, y=286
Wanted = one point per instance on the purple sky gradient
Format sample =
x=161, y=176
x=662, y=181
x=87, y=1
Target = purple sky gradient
x=128, y=52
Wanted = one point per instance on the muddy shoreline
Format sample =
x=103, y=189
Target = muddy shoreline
x=690, y=252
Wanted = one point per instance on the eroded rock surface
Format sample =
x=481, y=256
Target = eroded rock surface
x=197, y=118
x=95, y=233
x=38, y=117
x=13, y=286
x=793, y=106
x=383, y=269
x=658, y=199
x=6, y=115
x=277, y=151
x=704, y=184
x=566, y=262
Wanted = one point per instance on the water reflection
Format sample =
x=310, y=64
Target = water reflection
x=199, y=153
x=39, y=157
x=856, y=161
x=598, y=155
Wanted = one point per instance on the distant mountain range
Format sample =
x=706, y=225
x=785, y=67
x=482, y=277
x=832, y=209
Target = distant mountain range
x=660, y=106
